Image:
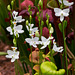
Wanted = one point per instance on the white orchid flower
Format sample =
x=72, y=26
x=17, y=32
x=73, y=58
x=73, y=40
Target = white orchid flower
x=14, y=48
x=13, y=55
x=45, y=42
x=61, y=13
x=18, y=19
x=14, y=14
x=17, y=30
x=32, y=32
x=29, y=27
x=66, y=2
x=55, y=48
x=33, y=41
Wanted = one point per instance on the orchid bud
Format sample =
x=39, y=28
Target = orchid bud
x=28, y=9
x=14, y=41
x=37, y=14
x=8, y=7
x=47, y=22
x=51, y=30
x=46, y=15
x=27, y=22
x=16, y=35
x=30, y=12
x=12, y=30
x=40, y=2
x=30, y=17
x=37, y=34
x=39, y=18
x=50, y=25
x=42, y=23
x=12, y=3
x=14, y=0
x=38, y=7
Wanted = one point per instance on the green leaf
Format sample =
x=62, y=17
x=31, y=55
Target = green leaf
x=52, y=59
x=18, y=68
x=3, y=36
x=36, y=73
x=3, y=53
x=49, y=68
x=60, y=26
x=3, y=14
x=65, y=24
x=25, y=59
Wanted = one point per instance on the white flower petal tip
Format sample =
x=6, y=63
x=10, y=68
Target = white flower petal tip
x=61, y=18
x=14, y=14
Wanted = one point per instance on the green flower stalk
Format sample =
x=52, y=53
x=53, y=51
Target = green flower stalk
x=30, y=18
x=65, y=52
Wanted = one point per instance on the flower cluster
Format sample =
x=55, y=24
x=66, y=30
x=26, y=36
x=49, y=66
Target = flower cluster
x=44, y=42
x=63, y=12
x=16, y=29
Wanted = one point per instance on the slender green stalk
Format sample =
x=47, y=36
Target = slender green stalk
x=31, y=60
x=40, y=26
x=31, y=48
x=65, y=52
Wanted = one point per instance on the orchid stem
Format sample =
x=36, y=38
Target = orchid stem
x=65, y=52
x=31, y=48
x=31, y=60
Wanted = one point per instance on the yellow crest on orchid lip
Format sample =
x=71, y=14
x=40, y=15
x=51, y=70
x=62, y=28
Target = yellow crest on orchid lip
x=14, y=48
x=14, y=22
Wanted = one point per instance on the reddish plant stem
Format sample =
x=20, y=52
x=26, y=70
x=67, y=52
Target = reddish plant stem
x=19, y=4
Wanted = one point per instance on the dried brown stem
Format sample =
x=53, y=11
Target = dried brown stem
x=70, y=53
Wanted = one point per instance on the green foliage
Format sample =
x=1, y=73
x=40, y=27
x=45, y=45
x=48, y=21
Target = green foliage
x=3, y=14
x=64, y=23
x=49, y=68
x=3, y=24
x=3, y=34
x=60, y=26
x=3, y=53
x=18, y=68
